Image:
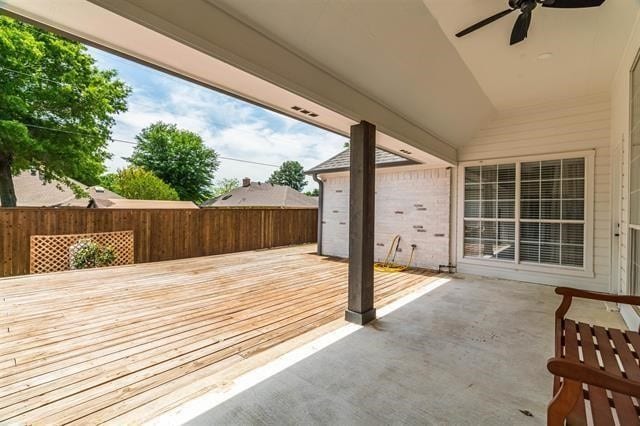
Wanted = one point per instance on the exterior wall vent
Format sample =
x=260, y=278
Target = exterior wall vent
x=304, y=111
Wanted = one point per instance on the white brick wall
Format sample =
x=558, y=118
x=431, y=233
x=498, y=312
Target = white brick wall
x=412, y=203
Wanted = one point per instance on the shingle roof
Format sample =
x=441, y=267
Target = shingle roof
x=340, y=162
x=263, y=195
x=31, y=191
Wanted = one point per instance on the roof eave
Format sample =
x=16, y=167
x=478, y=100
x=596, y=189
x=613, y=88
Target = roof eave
x=346, y=169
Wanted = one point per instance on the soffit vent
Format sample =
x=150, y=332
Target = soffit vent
x=304, y=111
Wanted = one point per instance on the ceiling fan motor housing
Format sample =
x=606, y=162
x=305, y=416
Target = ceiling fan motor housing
x=526, y=5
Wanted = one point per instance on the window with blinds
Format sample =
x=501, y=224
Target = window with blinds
x=489, y=211
x=549, y=215
x=552, y=212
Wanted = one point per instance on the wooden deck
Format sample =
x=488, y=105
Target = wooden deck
x=118, y=344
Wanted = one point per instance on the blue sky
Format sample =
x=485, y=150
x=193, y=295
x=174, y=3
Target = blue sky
x=232, y=127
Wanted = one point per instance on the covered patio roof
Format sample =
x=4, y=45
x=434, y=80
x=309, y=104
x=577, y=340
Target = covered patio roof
x=219, y=51
x=398, y=66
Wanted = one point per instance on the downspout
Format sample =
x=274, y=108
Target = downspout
x=320, y=202
x=452, y=226
x=449, y=267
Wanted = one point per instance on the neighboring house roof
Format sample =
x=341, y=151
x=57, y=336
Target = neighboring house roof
x=123, y=203
x=258, y=194
x=99, y=192
x=340, y=162
x=31, y=191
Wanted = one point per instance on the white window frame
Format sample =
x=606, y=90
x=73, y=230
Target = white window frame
x=586, y=270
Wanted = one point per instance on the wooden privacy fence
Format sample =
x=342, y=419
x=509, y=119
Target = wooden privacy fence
x=159, y=234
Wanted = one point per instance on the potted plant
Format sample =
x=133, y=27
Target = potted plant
x=89, y=254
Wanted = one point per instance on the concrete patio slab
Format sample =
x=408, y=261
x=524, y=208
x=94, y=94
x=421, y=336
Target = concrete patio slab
x=471, y=352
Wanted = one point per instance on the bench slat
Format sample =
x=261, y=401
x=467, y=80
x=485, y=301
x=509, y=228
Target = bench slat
x=572, y=353
x=629, y=362
x=558, y=348
x=624, y=406
x=634, y=339
x=600, y=408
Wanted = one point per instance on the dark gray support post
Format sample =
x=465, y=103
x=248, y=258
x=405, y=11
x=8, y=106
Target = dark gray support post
x=361, y=223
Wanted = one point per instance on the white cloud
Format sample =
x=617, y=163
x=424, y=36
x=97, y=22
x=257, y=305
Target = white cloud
x=233, y=128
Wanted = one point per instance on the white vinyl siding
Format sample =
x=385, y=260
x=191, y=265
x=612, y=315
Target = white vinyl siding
x=568, y=128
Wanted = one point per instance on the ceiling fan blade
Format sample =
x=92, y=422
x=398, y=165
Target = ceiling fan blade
x=571, y=4
x=484, y=22
x=520, y=28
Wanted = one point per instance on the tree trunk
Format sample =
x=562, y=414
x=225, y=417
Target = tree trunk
x=7, y=191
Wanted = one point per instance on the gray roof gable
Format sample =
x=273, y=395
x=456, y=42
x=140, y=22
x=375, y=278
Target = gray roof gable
x=340, y=162
x=259, y=194
x=31, y=191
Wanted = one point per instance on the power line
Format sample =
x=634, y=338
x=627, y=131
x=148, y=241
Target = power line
x=76, y=133
x=217, y=123
x=135, y=143
x=33, y=75
x=248, y=161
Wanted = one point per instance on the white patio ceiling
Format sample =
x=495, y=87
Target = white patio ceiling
x=585, y=46
x=393, y=51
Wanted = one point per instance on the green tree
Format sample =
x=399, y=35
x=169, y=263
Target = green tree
x=224, y=186
x=109, y=180
x=313, y=193
x=290, y=173
x=137, y=183
x=56, y=108
x=178, y=157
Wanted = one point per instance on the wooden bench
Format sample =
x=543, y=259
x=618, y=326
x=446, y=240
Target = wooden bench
x=597, y=376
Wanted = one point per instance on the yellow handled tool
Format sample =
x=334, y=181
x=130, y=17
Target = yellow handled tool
x=388, y=265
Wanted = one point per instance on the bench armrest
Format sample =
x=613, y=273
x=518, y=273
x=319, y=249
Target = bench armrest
x=582, y=373
x=569, y=293
x=596, y=295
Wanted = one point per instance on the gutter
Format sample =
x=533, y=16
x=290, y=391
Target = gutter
x=320, y=202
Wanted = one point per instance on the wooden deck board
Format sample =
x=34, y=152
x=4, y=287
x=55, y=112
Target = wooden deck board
x=92, y=346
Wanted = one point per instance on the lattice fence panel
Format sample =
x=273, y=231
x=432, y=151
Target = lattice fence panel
x=51, y=253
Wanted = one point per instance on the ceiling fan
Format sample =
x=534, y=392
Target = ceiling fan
x=521, y=27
